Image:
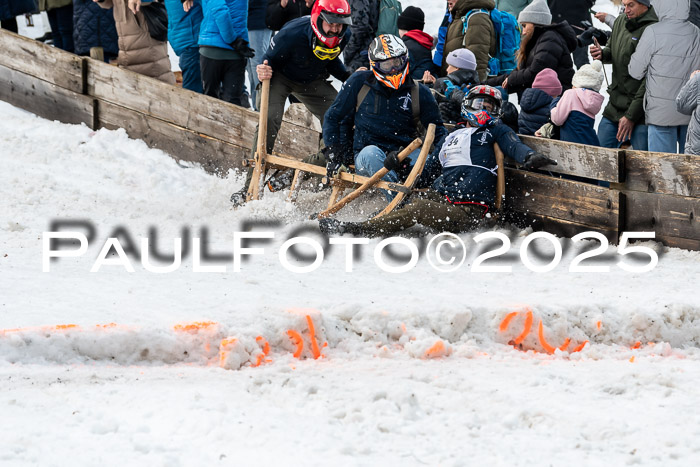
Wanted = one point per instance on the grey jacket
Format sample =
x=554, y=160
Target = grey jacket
x=667, y=53
x=687, y=103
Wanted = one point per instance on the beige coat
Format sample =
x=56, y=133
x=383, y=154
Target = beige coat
x=138, y=51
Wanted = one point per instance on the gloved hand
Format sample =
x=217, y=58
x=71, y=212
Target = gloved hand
x=535, y=160
x=392, y=162
x=334, y=161
x=241, y=46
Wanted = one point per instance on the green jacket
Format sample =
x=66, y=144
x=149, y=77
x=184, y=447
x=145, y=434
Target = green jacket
x=480, y=36
x=46, y=5
x=626, y=93
x=514, y=7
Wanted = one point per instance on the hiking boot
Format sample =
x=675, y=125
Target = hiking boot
x=280, y=180
x=330, y=226
x=238, y=198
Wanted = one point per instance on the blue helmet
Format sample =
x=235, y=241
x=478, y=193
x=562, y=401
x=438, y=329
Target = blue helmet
x=481, y=107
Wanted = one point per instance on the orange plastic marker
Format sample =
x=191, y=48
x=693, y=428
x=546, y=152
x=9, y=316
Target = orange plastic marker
x=298, y=341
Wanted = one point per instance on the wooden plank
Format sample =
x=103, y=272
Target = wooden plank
x=37, y=59
x=673, y=174
x=667, y=215
x=45, y=99
x=214, y=155
x=568, y=200
x=578, y=159
x=559, y=227
x=196, y=112
x=677, y=242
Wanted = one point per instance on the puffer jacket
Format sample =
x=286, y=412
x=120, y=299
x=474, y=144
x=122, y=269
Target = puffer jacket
x=420, y=55
x=666, y=55
x=93, y=27
x=11, y=8
x=575, y=113
x=687, y=103
x=534, y=110
x=365, y=19
x=441, y=36
x=626, y=94
x=138, y=51
x=183, y=26
x=514, y=7
x=224, y=22
x=549, y=47
x=479, y=37
x=384, y=118
x=571, y=11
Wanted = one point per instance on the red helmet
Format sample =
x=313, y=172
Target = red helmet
x=333, y=12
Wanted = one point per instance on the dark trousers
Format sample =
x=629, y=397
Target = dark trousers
x=223, y=79
x=9, y=25
x=317, y=96
x=61, y=20
x=191, y=74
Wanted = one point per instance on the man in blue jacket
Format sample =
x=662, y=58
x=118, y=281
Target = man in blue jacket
x=378, y=112
x=184, y=19
x=462, y=172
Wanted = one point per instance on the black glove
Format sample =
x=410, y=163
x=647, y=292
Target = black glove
x=392, y=162
x=601, y=36
x=334, y=160
x=241, y=46
x=535, y=160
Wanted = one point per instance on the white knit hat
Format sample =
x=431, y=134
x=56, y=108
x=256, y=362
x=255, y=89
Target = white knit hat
x=536, y=13
x=589, y=76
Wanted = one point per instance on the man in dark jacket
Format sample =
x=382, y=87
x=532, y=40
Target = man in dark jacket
x=623, y=117
x=419, y=44
x=280, y=12
x=573, y=12
x=462, y=172
x=374, y=114
x=365, y=18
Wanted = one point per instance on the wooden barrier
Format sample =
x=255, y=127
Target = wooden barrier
x=647, y=191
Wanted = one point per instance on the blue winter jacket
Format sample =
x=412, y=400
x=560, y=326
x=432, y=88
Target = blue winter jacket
x=93, y=27
x=11, y=8
x=534, y=110
x=183, y=27
x=442, y=35
x=291, y=53
x=384, y=119
x=224, y=21
x=464, y=183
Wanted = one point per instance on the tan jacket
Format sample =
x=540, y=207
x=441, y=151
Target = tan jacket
x=138, y=51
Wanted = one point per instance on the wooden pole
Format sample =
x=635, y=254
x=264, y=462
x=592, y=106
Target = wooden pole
x=369, y=183
x=98, y=53
x=415, y=172
x=260, y=154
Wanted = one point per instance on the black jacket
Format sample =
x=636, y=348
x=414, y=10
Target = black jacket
x=572, y=11
x=278, y=16
x=549, y=47
x=534, y=110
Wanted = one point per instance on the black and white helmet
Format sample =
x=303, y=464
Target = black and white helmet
x=388, y=57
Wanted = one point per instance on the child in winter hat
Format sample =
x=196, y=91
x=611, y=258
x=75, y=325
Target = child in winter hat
x=576, y=110
x=536, y=101
x=460, y=59
x=461, y=75
x=536, y=13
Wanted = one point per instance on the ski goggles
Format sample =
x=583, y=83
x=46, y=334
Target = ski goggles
x=394, y=64
x=483, y=103
x=324, y=53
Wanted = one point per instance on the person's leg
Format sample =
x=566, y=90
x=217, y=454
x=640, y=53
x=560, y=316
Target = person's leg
x=9, y=25
x=317, y=96
x=260, y=42
x=279, y=90
x=371, y=160
x=232, y=81
x=682, y=135
x=211, y=79
x=663, y=138
x=607, y=133
x=64, y=16
x=640, y=138
x=191, y=74
x=580, y=56
x=53, y=21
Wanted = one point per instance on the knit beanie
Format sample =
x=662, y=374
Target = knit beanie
x=536, y=13
x=548, y=81
x=589, y=76
x=646, y=3
x=411, y=18
x=463, y=59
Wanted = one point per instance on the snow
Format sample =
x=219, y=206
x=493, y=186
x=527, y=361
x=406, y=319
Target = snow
x=415, y=371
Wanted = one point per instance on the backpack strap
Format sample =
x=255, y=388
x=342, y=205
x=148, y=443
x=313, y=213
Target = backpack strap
x=467, y=17
x=364, y=90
